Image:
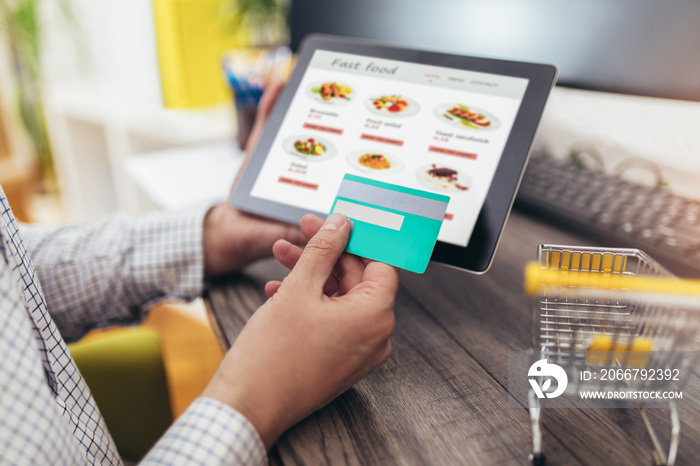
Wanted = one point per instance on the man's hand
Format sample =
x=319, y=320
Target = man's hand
x=325, y=327
x=233, y=239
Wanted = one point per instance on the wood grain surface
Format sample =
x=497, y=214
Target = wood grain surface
x=441, y=397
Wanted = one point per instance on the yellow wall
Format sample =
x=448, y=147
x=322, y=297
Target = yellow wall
x=192, y=36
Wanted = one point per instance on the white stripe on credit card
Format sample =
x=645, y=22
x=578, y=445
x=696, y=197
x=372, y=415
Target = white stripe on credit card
x=371, y=215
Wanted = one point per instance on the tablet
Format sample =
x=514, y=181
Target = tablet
x=455, y=125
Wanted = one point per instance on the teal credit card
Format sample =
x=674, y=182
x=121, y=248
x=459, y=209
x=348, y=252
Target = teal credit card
x=393, y=224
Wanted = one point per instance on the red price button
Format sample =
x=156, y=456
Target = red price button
x=325, y=129
x=371, y=137
x=456, y=153
x=301, y=184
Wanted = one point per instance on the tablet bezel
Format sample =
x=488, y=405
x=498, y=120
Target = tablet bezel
x=478, y=255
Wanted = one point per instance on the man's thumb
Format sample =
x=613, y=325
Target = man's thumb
x=322, y=252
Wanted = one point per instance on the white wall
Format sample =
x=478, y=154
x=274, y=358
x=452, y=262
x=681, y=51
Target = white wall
x=113, y=47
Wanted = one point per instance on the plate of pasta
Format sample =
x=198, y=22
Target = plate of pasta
x=372, y=161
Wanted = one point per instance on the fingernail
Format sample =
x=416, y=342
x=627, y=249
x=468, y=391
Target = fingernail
x=334, y=222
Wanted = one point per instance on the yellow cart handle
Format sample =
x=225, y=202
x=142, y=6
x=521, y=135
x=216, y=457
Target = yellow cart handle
x=537, y=277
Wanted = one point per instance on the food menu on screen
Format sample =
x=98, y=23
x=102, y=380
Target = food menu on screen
x=425, y=127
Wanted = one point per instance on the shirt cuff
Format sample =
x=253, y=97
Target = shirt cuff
x=209, y=433
x=168, y=256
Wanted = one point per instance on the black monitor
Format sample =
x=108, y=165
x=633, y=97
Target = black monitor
x=639, y=47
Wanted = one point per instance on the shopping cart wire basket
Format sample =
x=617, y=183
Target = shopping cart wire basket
x=611, y=308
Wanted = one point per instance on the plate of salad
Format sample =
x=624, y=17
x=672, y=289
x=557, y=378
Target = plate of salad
x=309, y=147
x=392, y=105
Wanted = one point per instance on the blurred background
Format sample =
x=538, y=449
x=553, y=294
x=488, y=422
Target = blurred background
x=88, y=85
x=101, y=100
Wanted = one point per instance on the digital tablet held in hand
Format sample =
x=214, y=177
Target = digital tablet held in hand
x=454, y=125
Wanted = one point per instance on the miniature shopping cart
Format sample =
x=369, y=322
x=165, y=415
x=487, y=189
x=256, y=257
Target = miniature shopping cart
x=594, y=311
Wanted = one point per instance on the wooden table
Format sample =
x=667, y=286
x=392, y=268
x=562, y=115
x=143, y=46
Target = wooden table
x=441, y=398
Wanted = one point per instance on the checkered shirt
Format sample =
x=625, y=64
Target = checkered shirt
x=103, y=274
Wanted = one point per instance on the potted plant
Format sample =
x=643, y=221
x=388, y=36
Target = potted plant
x=20, y=23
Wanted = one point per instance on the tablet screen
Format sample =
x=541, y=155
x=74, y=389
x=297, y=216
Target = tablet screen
x=420, y=126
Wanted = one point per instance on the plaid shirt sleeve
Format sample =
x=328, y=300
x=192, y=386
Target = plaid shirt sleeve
x=209, y=433
x=110, y=272
x=47, y=414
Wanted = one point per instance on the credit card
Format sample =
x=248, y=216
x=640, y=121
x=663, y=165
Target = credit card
x=392, y=224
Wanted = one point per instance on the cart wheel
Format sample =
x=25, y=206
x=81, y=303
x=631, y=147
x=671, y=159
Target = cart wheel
x=538, y=459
